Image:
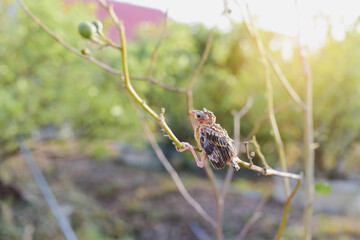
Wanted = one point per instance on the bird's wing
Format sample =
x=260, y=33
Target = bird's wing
x=219, y=148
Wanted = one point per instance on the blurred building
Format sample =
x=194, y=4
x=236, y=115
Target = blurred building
x=132, y=16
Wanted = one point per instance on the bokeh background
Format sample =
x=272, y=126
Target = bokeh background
x=85, y=136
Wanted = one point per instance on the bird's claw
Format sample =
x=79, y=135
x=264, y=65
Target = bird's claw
x=185, y=146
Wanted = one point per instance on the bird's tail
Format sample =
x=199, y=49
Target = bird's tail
x=233, y=163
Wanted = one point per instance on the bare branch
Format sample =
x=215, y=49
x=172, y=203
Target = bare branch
x=256, y=215
x=110, y=9
x=46, y=191
x=203, y=59
x=159, y=153
x=65, y=44
x=198, y=69
x=159, y=118
x=244, y=110
x=258, y=150
x=275, y=66
x=162, y=85
x=308, y=135
x=237, y=117
x=219, y=202
x=92, y=59
x=268, y=172
x=222, y=195
x=162, y=37
x=260, y=121
x=270, y=101
x=208, y=170
x=289, y=89
x=227, y=182
x=286, y=209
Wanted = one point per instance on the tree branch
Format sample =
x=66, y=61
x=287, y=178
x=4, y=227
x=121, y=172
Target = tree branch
x=230, y=171
x=289, y=89
x=260, y=121
x=46, y=191
x=198, y=69
x=286, y=209
x=65, y=44
x=92, y=59
x=159, y=118
x=268, y=172
x=257, y=146
x=270, y=100
x=308, y=135
x=154, y=55
x=256, y=215
x=160, y=84
x=159, y=153
x=208, y=170
x=275, y=66
x=237, y=118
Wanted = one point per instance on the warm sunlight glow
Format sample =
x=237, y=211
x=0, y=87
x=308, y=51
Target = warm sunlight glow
x=277, y=15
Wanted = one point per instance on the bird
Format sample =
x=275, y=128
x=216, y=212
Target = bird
x=214, y=141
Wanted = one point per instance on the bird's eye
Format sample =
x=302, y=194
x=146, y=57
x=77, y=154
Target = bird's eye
x=198, y=115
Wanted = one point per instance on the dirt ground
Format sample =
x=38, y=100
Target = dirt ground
x=108, y=200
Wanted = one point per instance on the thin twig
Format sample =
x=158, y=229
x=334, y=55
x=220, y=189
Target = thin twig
x=268, y=172
x=46, y=191
x=208, y=170
x=269, y=89
x=230, y=171
x=219, y=201
x=198, y=231
x=198, y=69
x=159, y=118
x=108, y=41
x=308, y=135
x=89, y=58
x=244, y=110
x=289, y=89
x=258, y=150
x=110, y=9
x=128, y=86
x=203, y=59
x=65, y=44
x=260, y=121
x=286, y=210
x=237, y=118
x=160, y=84
x=256, y=215
x=159, y=153
x=275, y=66
x=162, y=37
x=28, y=232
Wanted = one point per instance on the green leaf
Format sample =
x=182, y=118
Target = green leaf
x=323, y=188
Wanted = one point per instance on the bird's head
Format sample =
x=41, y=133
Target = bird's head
x=203, y=116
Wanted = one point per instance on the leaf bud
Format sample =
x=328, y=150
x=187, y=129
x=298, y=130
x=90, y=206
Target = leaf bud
x=98, y=25
x=87, y=30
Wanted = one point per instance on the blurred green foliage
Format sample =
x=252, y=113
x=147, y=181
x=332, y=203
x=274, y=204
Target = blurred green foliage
x=44, y=84
x=323, y=188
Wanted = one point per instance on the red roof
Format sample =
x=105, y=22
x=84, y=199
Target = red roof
x=131, y=15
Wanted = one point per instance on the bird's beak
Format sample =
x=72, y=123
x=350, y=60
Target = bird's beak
x=192, y=113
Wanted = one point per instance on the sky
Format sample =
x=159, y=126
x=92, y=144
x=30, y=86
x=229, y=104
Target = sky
x=276, y=15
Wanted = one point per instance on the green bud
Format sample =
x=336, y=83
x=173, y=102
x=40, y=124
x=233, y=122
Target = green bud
x=87, y=30
x=98, y=25
x=85, y=52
